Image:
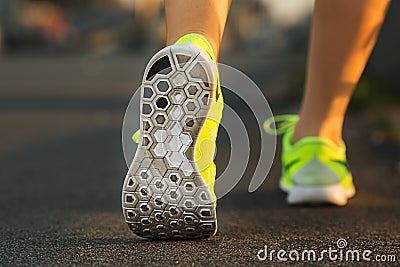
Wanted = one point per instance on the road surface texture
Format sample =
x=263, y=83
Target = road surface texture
x=62, y=170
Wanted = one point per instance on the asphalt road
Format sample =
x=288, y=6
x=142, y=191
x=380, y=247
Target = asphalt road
x=61, y=172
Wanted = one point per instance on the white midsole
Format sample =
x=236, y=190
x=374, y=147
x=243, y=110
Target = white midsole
x=334, y=194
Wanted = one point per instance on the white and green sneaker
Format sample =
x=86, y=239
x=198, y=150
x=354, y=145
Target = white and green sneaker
x=314, y=170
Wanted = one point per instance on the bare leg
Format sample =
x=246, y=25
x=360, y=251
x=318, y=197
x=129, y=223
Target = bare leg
x=205, y=17
x=343, y=35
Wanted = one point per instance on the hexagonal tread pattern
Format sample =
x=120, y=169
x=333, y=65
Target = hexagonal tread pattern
x=164, y=196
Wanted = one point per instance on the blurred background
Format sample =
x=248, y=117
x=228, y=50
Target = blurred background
x=97, y=49
x=68, y=69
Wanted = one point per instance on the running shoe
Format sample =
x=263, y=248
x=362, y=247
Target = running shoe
x=168, y=192
x=314, y=170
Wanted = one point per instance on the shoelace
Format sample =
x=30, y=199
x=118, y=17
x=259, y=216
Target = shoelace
x=283, y=124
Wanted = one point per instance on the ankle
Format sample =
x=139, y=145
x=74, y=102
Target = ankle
x=202, y=40
x=327, y=130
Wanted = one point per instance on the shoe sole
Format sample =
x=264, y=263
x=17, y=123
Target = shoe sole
x=164, y=195
x=331, y=194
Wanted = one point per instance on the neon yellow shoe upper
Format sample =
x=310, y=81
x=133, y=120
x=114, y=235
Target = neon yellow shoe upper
x=312, y=161
x=206, y=143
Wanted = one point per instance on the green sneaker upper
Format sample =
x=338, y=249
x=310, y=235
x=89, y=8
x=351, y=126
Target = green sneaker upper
x=312, y=161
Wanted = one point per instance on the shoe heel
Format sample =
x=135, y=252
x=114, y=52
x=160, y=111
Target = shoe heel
x=164, y=195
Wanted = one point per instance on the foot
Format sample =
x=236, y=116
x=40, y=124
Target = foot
x=168, y=191
x=314, y=170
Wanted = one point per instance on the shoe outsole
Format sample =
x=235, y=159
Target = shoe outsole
x=164, y=195
x=331, y=194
